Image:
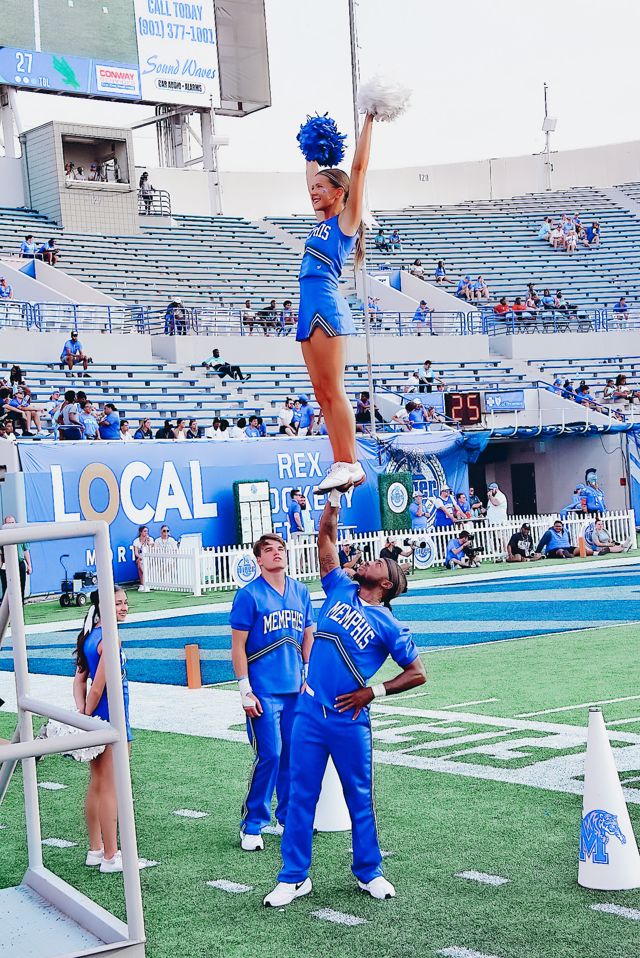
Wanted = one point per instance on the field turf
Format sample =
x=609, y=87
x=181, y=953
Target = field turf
x=452, y=759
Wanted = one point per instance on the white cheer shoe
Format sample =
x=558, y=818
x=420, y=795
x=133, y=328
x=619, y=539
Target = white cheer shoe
x=342, y=474
x=378, y=888
x=95, y=856
x=286, y=892
x=251, y=843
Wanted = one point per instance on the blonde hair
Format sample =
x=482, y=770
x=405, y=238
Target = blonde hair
x=340, y=180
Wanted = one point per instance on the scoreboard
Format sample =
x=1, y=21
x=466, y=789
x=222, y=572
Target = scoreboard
x=463, y=408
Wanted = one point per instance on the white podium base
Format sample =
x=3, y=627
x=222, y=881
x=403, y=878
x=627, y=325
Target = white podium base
x=332, y=814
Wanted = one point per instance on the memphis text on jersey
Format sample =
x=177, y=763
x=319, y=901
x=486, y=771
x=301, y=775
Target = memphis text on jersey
x=283, y=619
x=352, y=622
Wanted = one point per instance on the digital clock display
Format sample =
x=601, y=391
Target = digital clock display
x=463, y=408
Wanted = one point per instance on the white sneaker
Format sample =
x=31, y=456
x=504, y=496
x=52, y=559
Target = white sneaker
x=251, y=843
x=278, y=829
x=112, y=864
x=285, y=892
x=94, y=857
x=342, y=474
x=378, y=888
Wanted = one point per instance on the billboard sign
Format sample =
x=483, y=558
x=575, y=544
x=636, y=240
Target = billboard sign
x=506, y=400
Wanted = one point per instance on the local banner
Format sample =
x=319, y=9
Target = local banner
x=189, y=487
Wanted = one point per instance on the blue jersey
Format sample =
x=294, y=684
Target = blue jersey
x=71, y=346
x=294, y=509
x=321, y=305
x=90, y=648
x=352, y=641
x=306, y=415
x=276, y=625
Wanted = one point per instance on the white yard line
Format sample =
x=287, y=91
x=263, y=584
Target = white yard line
x=51, y=786
x=627, y=721
x=633, y=914
x=458, y=951
x=59, y=843
x=190, y=813
x=582, y=705
x=483, y=878
x=338, y=917
x=235, y=888
x=459, y=705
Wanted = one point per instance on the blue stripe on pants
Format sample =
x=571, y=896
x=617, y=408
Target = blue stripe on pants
x=317, y=734
x=270, y=738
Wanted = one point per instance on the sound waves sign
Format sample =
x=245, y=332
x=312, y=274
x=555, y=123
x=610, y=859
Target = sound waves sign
x=177, y=52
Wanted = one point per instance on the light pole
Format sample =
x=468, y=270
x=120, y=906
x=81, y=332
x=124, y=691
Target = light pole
x=548, y=127
x=364, y=284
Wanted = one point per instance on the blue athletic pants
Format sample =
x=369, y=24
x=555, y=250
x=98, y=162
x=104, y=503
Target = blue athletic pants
x=318, y=733
x=270, y=738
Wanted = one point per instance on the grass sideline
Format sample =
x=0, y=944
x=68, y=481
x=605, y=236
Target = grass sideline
x=47, y=611
x=434, y=824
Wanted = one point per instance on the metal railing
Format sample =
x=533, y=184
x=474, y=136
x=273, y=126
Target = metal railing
x=52, y=317
x=156, y=203
x=211, y=569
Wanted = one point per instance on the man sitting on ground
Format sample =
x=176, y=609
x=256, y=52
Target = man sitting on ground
x=520, y=545
x=555, y=543
x=72, y=353
x=460, y=553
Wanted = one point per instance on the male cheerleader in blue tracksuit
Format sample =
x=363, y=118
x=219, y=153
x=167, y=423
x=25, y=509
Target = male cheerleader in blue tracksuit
x=271, y=635
x=356, y=632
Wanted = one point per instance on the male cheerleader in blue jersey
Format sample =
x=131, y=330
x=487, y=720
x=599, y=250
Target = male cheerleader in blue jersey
x=356, y=632
x=271, y=637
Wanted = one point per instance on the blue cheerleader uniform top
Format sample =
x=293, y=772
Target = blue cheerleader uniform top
x=326, y=249
x=92, y=655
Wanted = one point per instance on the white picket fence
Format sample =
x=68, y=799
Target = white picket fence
x=211, y=570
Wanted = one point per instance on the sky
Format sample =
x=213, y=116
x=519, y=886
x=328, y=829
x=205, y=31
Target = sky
x=476, y=71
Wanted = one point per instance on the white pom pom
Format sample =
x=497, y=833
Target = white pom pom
x=383, y=98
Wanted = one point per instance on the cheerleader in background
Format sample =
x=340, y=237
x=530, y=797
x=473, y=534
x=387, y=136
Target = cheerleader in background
x=324, y=317
x=100, y=804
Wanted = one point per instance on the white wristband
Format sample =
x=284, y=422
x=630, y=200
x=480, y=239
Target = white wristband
x=246, y=696
x=379, y=691
x=305, y=671
x=335, y=498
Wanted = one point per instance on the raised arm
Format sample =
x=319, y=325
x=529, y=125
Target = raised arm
x=327, y=539
x=351, y=216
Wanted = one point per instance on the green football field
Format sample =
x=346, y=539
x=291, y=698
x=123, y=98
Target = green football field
x=464, y=780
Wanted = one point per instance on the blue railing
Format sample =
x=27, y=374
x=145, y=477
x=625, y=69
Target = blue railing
x=51, y=317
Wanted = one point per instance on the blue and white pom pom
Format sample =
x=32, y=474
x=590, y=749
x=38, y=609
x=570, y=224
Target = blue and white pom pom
x=321, y=141
x=383, y=98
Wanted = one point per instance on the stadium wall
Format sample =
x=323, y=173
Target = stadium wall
x=564, y=346
x=11, y=182
x=31, y=346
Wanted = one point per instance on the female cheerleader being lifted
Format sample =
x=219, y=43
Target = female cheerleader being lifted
x=324, y=317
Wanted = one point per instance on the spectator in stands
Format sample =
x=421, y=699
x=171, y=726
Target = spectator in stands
x=223, y=368
x=418, y=511
x=477, y=508
x=69, y=172
x=624, y=391
x=80, y=173
x=180, y=431
x=545, y=229
x=380, y=241
x=125, y=432
x=417, y=269
x=222, y=435
x=211, y=430
x=520, y=545
x=285, y=418
x=592, y=234
x=349, y=558
x=440, y=274
x=144, y=430
x=143, y=541
x=568, y=392
x=532, y=293
x=307, y=416
x=109, y=424
x=480, y=289
x=409, y=419
x=560, y=302
x=56, y=400
x=571, y=241
x=496, y=504
x=31, y=414
x=6, y=431
x=295, y=422
x=175, y=318
x=238, y=430
x=146, y=191
x=519, y=310
x=502, y=309
x=6, y=294
x=165, y=431
x=28, y=247
x=609, y=389
x=548, y=301
x=556, y=237
x=427, y=377
x=392, y=551
x=248, y=316
x=531, y=304
x=268, y=317
x=447, y=511
x=88, y=421
x=363, y=412
x=252, y=431
x=555, y=543
x=621, y=308
x=166, y=542
x=602, y=542
x=394, y=240
x=288, y=318
x=262, y=427
x=464, y=289
x=10, y=412
x=93, y=173
x=193, y=431
x=16, y=376
x=375, y=313
x=422, y=316
x=69, y=417
x=49, y=252
x=584, y=397
x=72, y=353
x=460, y=552
x=463, y=504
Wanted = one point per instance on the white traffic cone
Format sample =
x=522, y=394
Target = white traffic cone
x=609, y=858
x=332, y=814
